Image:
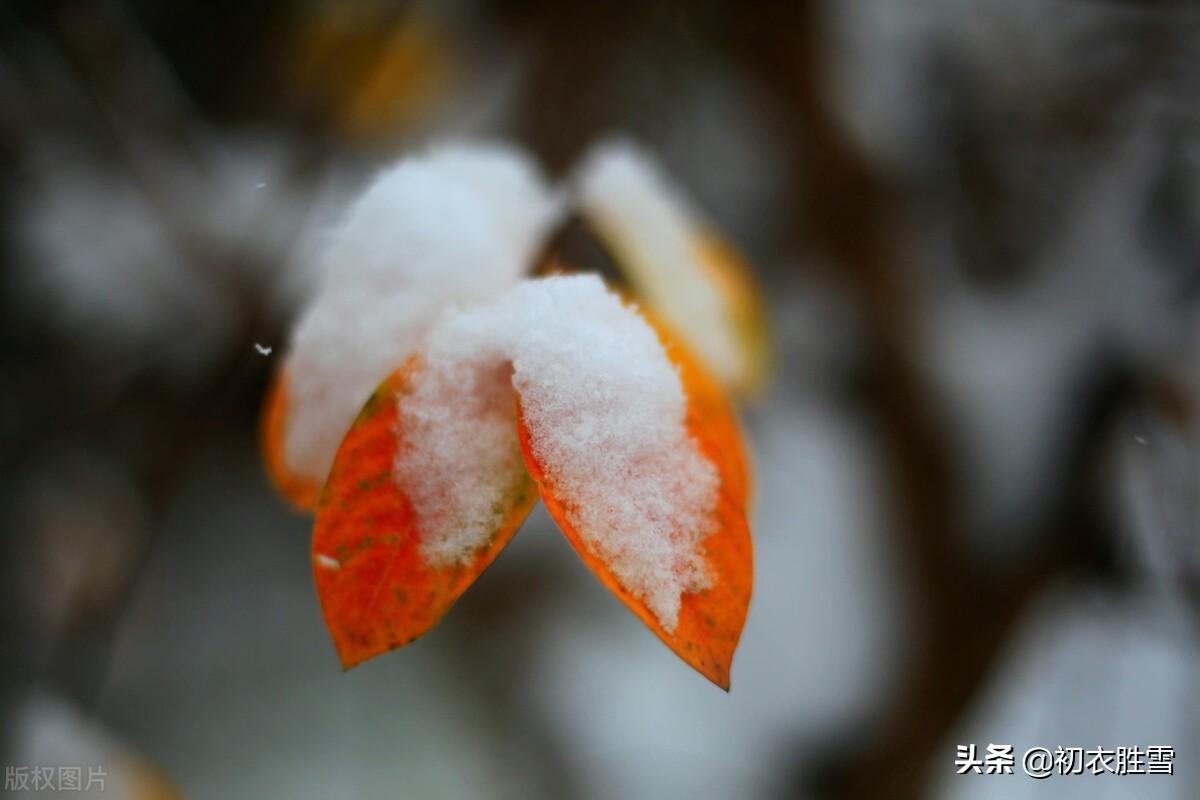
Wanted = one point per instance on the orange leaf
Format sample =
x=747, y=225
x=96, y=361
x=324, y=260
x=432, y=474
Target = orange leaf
x=377, y=590
x=301, y=491
x=710, y=621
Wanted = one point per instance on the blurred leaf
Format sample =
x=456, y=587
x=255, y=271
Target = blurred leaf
x=376, y=72
x=302, y=491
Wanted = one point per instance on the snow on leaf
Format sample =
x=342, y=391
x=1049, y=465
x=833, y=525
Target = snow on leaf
x=458, y=224
x=635, y=448
x=379, y=589
x=709, y=620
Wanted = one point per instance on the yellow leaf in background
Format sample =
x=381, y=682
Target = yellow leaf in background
x=375, y=71
x=676, y=265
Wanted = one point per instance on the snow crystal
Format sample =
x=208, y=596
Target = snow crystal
x=456, y=225
x=605, y=409
x=648, y=221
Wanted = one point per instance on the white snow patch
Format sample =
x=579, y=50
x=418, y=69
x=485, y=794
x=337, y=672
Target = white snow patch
x=459, y=224
x=648, y=220
x=605, y=409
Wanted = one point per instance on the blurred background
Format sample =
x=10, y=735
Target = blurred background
x=978, y=518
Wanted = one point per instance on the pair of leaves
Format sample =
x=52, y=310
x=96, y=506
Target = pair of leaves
x=378, y=592
x=628, y=215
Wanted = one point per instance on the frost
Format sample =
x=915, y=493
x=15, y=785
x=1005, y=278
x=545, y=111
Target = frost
x=651, y=226
x=458, y=224
x=605, y=409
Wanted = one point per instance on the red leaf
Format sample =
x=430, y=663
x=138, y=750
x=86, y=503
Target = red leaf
x=377, y=590
x=710, y=622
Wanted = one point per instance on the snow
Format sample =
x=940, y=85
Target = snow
x=605, y=410
x=458, y=224
x=656, y=234
x=328, y=563
x=1087, y=668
